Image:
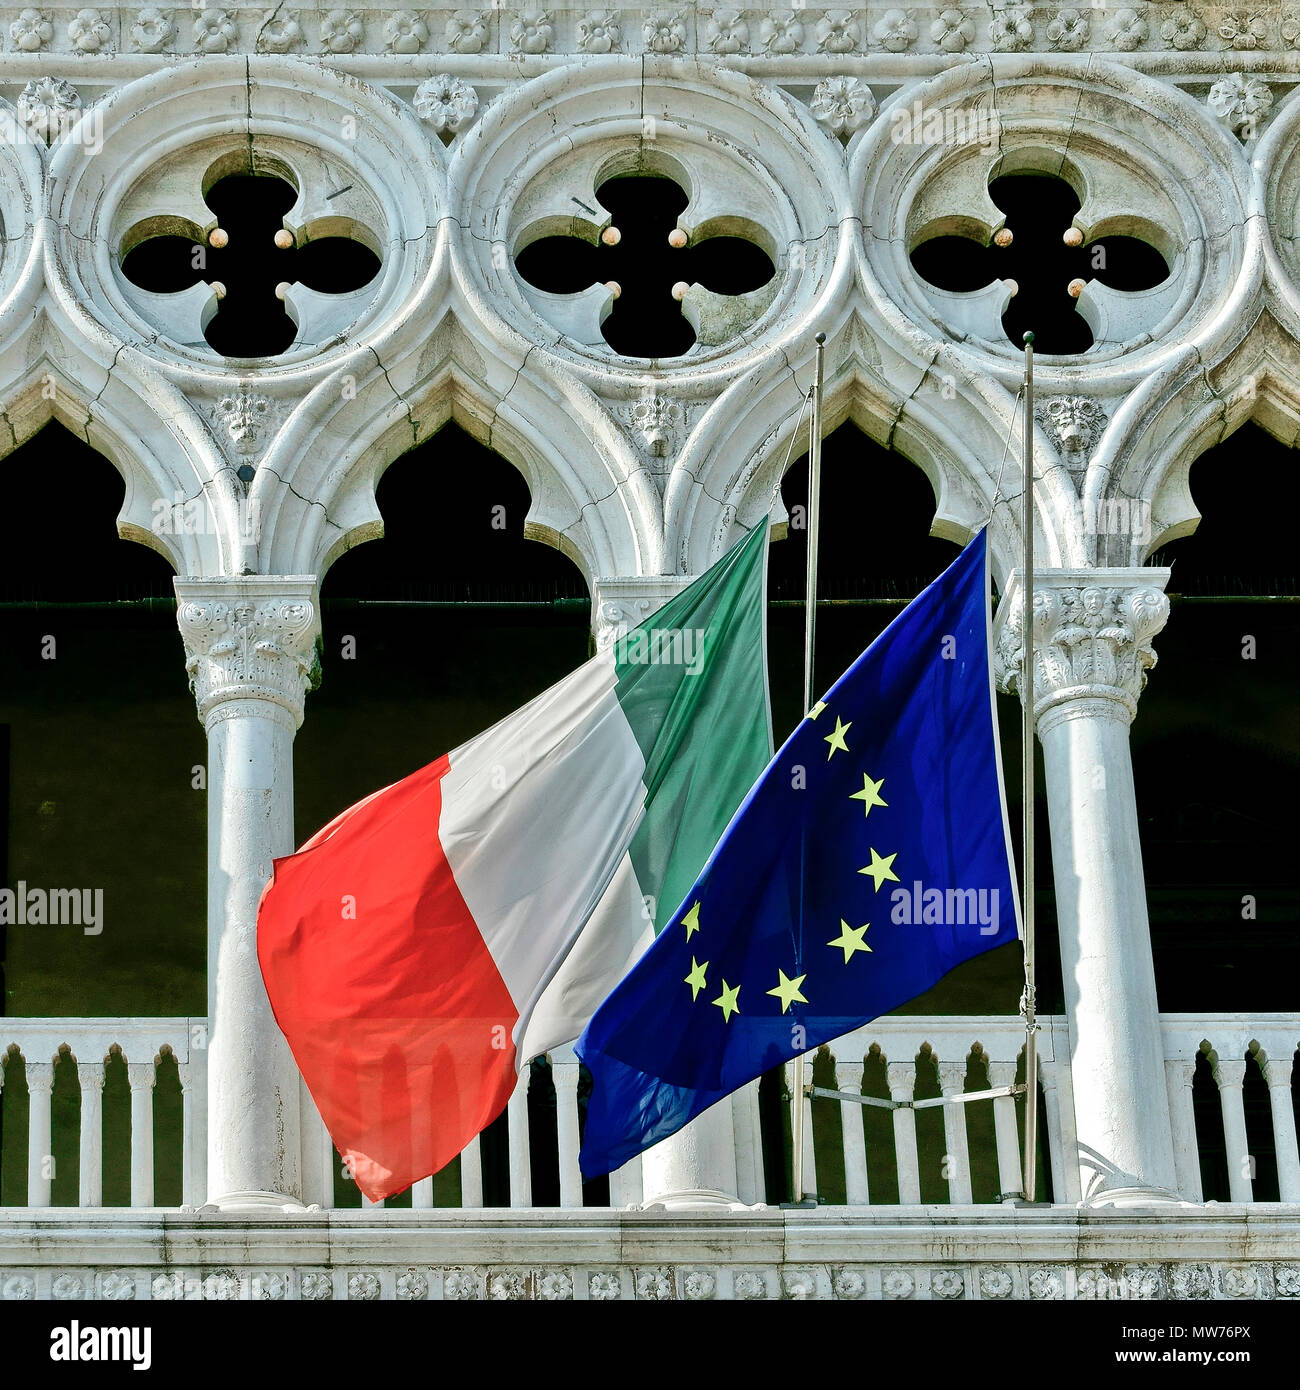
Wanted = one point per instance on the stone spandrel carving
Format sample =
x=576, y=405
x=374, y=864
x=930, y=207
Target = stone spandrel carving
x=1091, y=639
x=1074, y=425
x=247, y=647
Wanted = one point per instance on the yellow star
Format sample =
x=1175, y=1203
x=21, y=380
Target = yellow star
x=691, y=921
x=850, y=939
x=836, y=738
x=727, y=1001
x=881, y=869
x=696, y=978
x=816, y=709
x=787, y=991
x=870, y=794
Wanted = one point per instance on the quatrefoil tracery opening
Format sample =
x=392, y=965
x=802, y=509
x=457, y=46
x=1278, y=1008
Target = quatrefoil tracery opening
x=645, y=320
x=168, y=255
x=1039, y=209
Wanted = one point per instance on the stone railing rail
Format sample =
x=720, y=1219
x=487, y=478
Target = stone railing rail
x=899, y=1061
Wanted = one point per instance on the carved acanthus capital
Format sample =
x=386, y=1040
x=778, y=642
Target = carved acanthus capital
x=1093, y=631
x=621, y=604
x=251, y=638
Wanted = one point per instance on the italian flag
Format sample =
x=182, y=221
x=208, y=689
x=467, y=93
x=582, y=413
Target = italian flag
x=432, y=939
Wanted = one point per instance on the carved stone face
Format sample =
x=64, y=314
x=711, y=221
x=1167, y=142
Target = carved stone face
x=245, y=416
x=1075, y=423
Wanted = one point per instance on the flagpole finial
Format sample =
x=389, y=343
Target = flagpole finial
x=820, y=339
x=1029, y=340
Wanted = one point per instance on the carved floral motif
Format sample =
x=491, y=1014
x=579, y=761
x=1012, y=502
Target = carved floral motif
x=280, y=32
x=599, y=31
x=48, y=107
x=782, y=33
x=341, y=30
x=89, y=32
x=153, y=30
x=405, y=32
x=952, y=31
x=31, y=31
x=838, y=32
x=1011, y=30
x=215, y=31
x=466, y=32
x=446, y=103
x=843, y=104
x=726, y=32
x=531, y=31
x=664, y=33
x=1240, y=102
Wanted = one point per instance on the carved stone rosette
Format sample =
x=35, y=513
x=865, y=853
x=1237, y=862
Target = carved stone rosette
x=248, y=639
x=1093, y=631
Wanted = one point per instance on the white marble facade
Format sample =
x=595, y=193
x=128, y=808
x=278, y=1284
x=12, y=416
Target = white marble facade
x=1172, y=122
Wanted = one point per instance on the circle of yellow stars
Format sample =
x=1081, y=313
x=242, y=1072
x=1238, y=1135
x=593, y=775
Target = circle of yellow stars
x=851, y=940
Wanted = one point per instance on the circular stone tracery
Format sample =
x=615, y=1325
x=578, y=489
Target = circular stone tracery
x=1121, y=142
x=170, y=138
x=750, y=161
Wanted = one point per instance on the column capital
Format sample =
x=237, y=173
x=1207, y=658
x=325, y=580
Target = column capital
x=141, y=1075
x=1229, y=1072
x=90, y=1076
x=40, y=1078
x=619, y=603
x=901, y=1079
x=249, y=638
x=1093, y=630
x=1277, y=1070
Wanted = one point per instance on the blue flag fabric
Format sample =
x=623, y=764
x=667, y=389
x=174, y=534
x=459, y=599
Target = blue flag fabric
x=869, y=859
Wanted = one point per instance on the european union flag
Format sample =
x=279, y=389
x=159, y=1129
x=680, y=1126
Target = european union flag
x=869, y=859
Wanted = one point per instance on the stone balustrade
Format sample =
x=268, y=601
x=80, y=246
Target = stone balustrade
x=912, y=1146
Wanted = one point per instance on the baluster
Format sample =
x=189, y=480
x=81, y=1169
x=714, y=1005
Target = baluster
x=952, y=1082
x=40, y=1086
x=566, y=1132
x=1010, y=1172
x=329, y=1156
x=902, y=1084
x=471, y=1175
x=1047, y=1076
x=1072, y=1190
x=141, y=1076
x=742, y=1125
x=1180, y=1072
x=809, y=1148
x=422, y=1195
x=190, y=1191
x=625, y=1185
x=90, y=1144
x=521, y=1173
x=1277, y=1072
x=367, y=1204
x=1229, y=1073
x=857, y=1187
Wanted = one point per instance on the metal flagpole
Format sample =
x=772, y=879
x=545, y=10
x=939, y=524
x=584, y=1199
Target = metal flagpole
x=1027, y=785
x=810, y=692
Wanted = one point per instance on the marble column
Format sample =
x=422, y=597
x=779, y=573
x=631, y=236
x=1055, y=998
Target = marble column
x=1092, y=645
x=250, y=646
x=696, y=1167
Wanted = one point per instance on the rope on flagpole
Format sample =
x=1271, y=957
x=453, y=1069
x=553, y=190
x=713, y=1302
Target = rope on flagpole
x=810, y=698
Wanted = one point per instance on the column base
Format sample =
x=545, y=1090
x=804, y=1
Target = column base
x=697, y=1199
x=1134, y=1197
x=254, y=1201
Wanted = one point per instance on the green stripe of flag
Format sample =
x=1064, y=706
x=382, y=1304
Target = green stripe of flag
x=692, y=683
